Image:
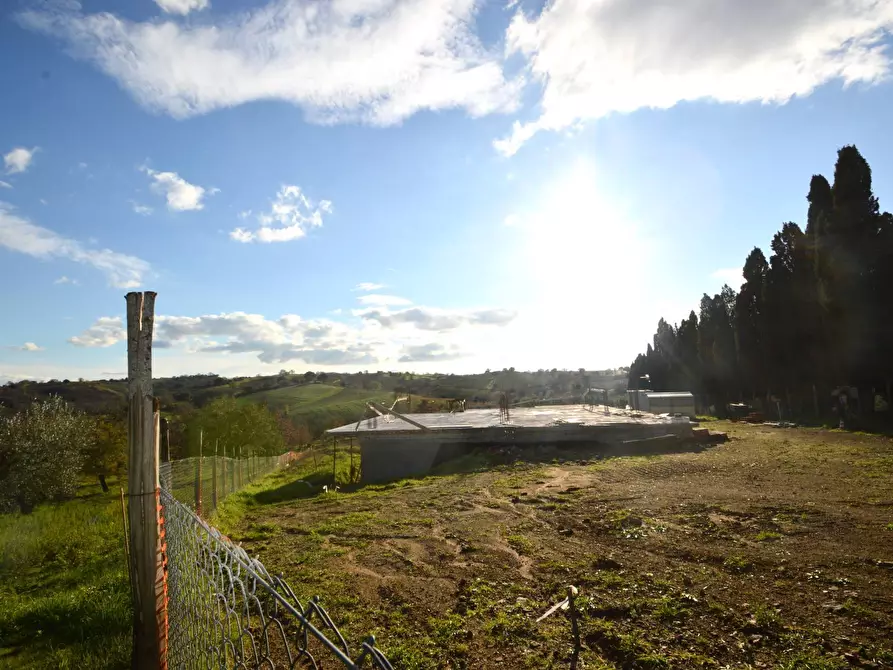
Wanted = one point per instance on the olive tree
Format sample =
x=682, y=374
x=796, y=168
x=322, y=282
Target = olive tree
x=41, y=453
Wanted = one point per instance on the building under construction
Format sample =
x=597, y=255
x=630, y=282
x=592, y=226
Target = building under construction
x=395, y=445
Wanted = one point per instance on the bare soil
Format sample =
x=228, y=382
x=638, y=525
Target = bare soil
x=773, y=550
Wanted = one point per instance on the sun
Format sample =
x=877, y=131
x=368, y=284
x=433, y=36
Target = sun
x=577, y=232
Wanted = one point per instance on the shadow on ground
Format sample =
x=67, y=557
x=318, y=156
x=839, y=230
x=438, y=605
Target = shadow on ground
x=482, y=458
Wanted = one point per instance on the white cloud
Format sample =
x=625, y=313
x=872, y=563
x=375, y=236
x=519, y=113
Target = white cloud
x=511, y=220
x=289, y=338
x=241, y=235
x=730, y=276
x=20, y=235
x=379, y=300
x=107, y=330
x=66, y=280
x=18, y=159
x=433, y=351
x=5, y=184
x=378, y=61
x=182, y=7
x=28, y=346
x=595, y=57
x=368, y=286
x=181, y=196
x=142, y=210
x=323, y=342
x=427, y=318
x=291, y=214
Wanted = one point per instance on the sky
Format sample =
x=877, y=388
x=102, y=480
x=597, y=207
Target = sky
x=419, y=185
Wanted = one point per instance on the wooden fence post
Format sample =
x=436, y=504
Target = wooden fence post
x=223, y=473
x=198, y=476
x=147, y=547
x=214, y=479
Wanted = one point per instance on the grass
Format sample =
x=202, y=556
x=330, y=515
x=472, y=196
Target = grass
x=768, y=536
x=521, y=544
x=64, y=586
x=736, y=563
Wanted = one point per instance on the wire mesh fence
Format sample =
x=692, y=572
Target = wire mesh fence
x=203, y=482
x=224, y=609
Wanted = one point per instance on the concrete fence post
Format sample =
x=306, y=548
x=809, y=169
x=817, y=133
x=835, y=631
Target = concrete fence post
x=147, y=547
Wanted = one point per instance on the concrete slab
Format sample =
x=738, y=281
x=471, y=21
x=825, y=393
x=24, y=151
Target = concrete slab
x=519, y=417
x=392, y=448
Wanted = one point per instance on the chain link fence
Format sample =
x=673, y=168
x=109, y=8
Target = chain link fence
x=203, y=482
x=224, y=609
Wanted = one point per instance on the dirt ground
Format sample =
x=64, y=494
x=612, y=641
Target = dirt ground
x=773, y=550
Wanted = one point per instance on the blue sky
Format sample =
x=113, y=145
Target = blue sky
x=408, y=184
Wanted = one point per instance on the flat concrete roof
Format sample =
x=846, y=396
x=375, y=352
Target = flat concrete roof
x=519, y=417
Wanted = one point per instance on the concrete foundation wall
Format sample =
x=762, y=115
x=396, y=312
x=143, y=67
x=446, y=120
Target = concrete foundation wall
x=389, y=457
x=386, y=459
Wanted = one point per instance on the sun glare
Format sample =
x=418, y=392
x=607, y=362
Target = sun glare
x=589, y=264
x=577, y=232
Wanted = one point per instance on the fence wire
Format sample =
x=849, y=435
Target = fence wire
x=225, y=610
x=202, y=483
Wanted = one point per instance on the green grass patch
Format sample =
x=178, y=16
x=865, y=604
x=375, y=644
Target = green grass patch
x=768, y=536
x=810, y=661
x=520, y=544
x=670, y=609
x=64, y=586
x=736, y=563
x=344, y=523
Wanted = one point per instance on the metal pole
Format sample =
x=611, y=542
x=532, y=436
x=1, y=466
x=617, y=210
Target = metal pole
x=147, y=574
x=334, y=463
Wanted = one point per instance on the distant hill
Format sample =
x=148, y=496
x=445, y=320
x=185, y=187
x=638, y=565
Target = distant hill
x=320, y=406
x=323, y=400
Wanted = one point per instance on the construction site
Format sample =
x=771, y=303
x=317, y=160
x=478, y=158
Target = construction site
x=395, y=445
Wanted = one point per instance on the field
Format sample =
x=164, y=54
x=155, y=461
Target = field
x=64, y=595
x=323, y=406
x=773, y=550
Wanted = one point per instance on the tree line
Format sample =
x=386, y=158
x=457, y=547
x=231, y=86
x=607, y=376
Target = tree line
x=50, y=448
x=816, y=316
